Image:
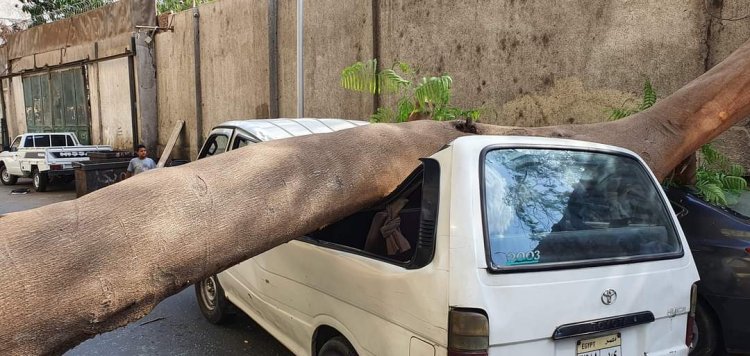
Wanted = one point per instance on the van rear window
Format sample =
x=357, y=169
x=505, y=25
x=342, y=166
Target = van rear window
x=555, y=208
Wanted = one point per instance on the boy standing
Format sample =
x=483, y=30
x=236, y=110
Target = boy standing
x=141, y=163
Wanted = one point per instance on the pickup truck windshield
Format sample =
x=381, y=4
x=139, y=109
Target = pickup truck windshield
x=547, y=208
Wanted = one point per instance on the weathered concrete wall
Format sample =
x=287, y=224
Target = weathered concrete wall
x=337, y=34
x=145, y=76
x=520, y=50
x=17, y=116
x=525, y=62
x=235, y=64
x=234, y=61
x=175, y=83
x=106, y=22
x=234, y=70
x=114, y=93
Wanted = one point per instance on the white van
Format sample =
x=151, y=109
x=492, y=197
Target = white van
x=493, y=246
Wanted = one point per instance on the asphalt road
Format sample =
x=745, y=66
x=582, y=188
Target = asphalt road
x=174, y=327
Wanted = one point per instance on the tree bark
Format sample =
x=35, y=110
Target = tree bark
x=75, y=269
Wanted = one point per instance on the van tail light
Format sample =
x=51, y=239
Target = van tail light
x=689, y=332
x=55, y=167
x=468, y=332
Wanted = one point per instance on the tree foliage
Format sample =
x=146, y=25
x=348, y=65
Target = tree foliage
x=719, y=181
x=649, y=99
x=177, y=5
x=43, y=11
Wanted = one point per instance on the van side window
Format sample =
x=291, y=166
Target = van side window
x=58, y=140
x=215, y=145
x=29, y=141
x=388, y=231
x=69, y=141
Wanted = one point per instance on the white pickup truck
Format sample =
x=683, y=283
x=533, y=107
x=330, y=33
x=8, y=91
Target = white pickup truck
x=43, y=156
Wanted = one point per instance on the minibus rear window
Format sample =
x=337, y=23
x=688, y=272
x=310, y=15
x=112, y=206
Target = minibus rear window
x=547, y=208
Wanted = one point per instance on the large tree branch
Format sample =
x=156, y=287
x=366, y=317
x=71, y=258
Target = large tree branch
x=75, y=269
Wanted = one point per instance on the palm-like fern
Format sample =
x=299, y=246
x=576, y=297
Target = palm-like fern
x=430, y=96
x=718, y=180
x=649, y=99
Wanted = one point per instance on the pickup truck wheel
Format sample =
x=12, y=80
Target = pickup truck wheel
x=337, y=346
x=5, y=177
x=40, y=180
x=214, y=305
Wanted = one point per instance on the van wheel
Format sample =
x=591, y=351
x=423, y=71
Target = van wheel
x=337, y=346
x=214, y=305
x=5, y=177
x=40, y=180
x=706, y=332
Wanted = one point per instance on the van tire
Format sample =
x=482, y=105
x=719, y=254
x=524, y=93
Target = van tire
x=337, y=346
x=40, y=180
x=5, y=177
x=213, y=304
x=707, y=332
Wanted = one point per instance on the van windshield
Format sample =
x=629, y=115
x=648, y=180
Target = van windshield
x=546, y=208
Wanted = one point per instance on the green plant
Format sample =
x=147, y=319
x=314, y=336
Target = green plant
x=43, y=11
x=718, y=181
x=429, y=96
x=649, y=99
x=176, y=5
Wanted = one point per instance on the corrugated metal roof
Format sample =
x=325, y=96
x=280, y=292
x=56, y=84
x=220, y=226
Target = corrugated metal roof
x=274, y=129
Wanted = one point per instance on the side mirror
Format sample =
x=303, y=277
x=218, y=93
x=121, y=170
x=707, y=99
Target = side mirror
x=6, y=148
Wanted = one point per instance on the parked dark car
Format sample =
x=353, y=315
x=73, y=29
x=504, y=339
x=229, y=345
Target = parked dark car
x=720, y=241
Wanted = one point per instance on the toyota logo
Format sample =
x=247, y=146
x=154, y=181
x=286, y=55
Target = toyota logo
x=609, y=296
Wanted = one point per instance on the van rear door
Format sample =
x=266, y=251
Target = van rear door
x=579, y=255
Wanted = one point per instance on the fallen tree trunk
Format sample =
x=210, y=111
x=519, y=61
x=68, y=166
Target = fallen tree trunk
x=75, y=269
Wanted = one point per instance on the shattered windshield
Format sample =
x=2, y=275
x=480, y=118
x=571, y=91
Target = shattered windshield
x=561, y=206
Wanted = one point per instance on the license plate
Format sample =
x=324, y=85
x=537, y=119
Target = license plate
x=608, y=345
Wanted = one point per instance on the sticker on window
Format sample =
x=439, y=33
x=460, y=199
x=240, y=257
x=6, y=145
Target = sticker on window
x=522, y=258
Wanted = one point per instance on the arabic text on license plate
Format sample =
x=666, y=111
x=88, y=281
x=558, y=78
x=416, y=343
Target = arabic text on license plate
x=608, y=345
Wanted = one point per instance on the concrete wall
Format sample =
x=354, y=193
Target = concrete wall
x=524, y=62
x=235, y=64
x=16, y=114
x=541, y=62
x=114, y=105
x=175, y=83
x=337, y=34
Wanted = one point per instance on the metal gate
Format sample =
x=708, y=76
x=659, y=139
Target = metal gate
x=57, y=102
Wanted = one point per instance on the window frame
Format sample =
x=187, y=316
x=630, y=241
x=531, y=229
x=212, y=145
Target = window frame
x=240, y=136
x=64, y=138
x=15, y=144
x=493, y=268
x=424, y=249
x=220, y=132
